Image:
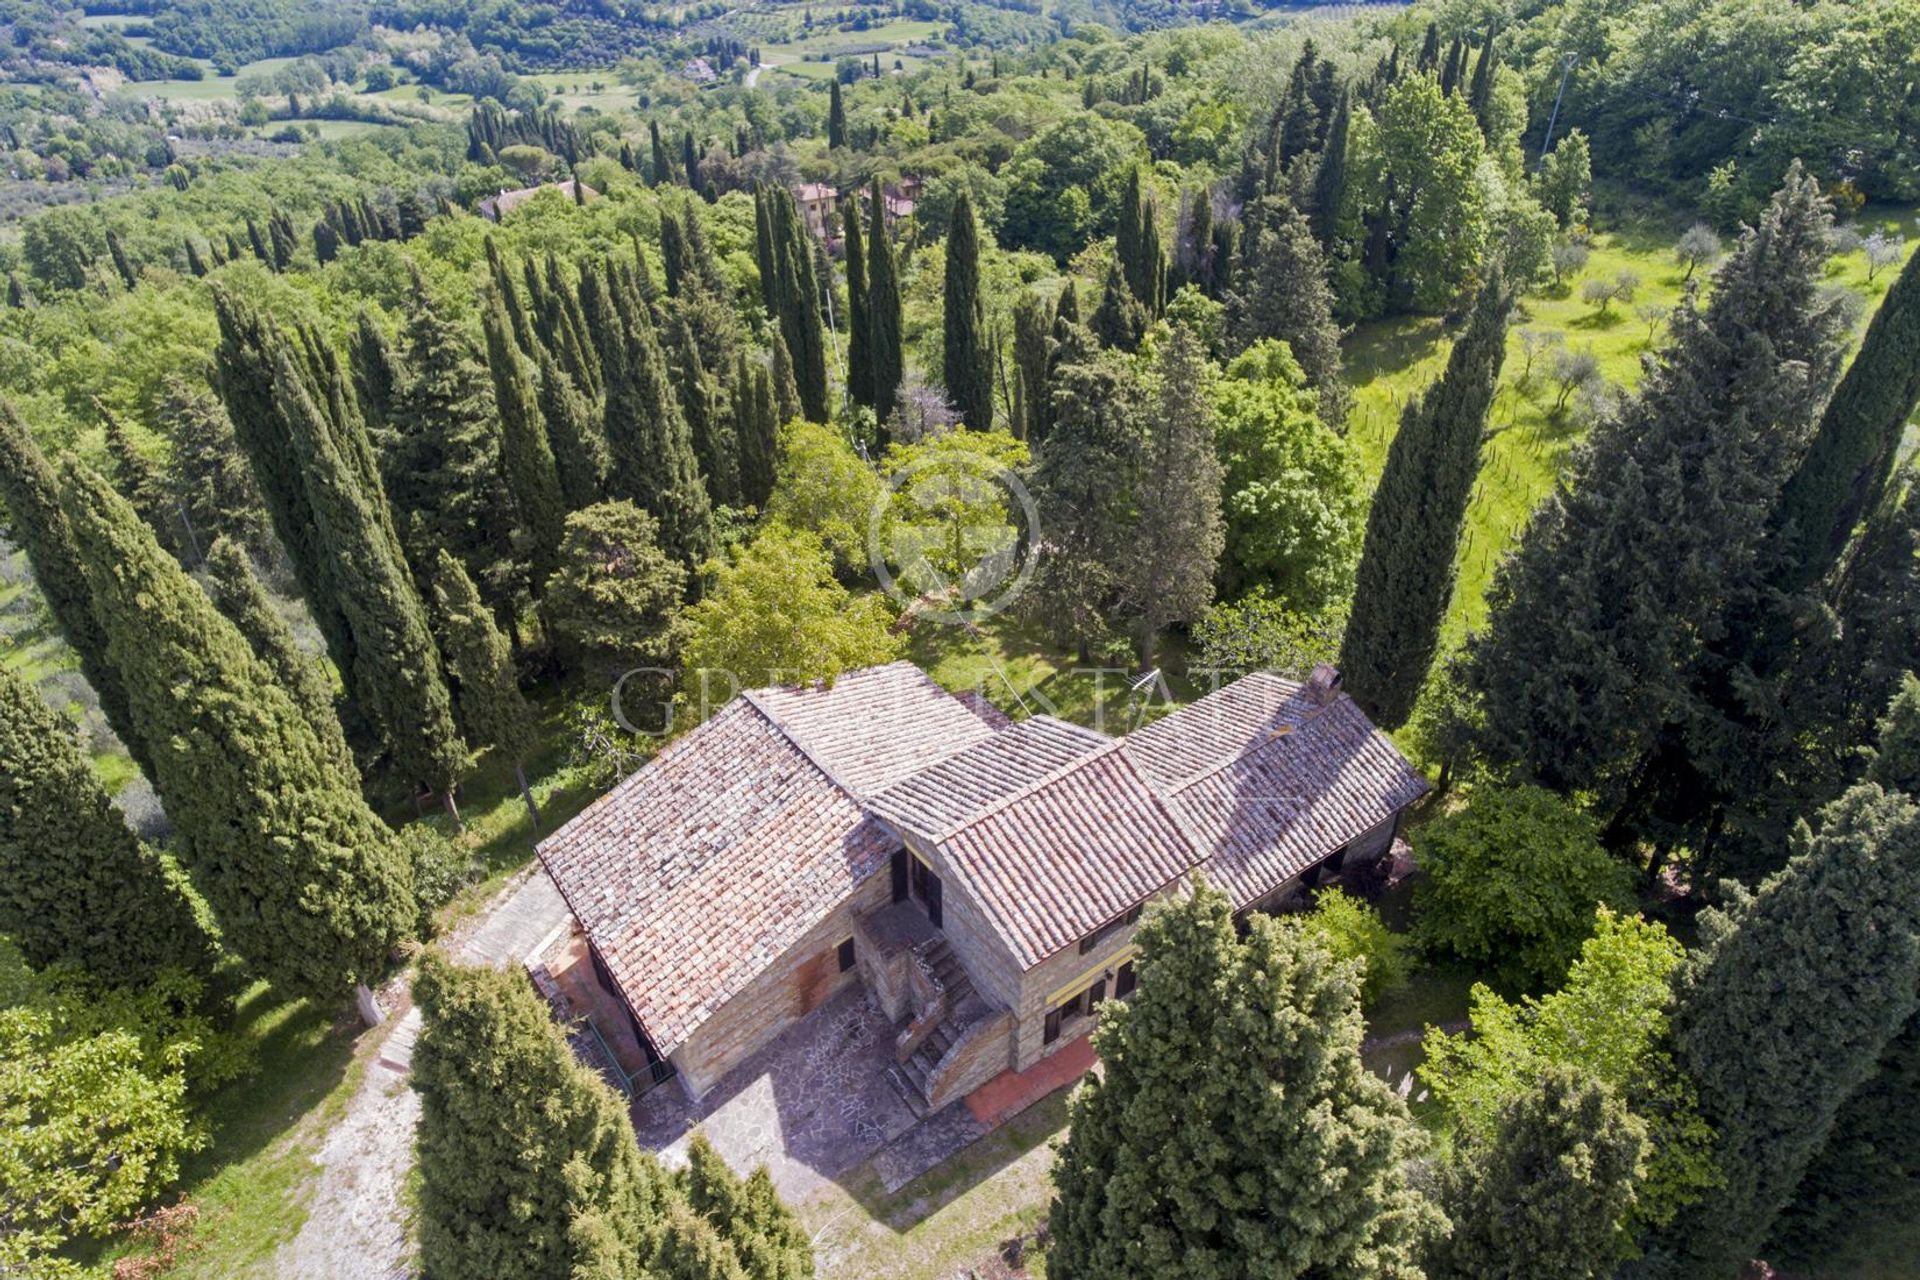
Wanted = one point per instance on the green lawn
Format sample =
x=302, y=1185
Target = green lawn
x=1390, y=361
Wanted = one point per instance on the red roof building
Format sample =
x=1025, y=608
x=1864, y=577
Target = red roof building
x=982, y=878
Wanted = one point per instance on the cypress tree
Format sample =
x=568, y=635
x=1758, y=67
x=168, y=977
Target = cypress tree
x=441, y=465
x=237, y=593
x=968, y=363
x=757, y=423
x=883, y=305
x=747, y=1215
x=1280, y=291
x=244, y=376
x=212, y=485
x=523, y=334
x=690, y=163
x=577, y=1197
x=526, y=458
x=1180, y=534
x=140, y=480
x=675, y=259
x=836, y=121
x=486, y=688
x=763, y=253
x=662, y=173
x=859, y=316
x=1786, y=1008
x=1121, y=320
x=579, y=449
x=1845, y=469
x=1480, y=91
x=40, y=527
x=1330, y=178
x=799, y=297
x=1544, y=1197
x=1137, y=244
x=122, y=264
x=76, y=886
x=786, y=392
x=1032, y=342
x=310, y=888
x=1185, y=1160
x=708, y=424
x=1597, y=621
x=652, y=450
x=397, y=679
x=1407, y=567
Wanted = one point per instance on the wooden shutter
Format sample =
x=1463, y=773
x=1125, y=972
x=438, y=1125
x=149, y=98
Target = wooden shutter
x=899, y=875
x=933, y=900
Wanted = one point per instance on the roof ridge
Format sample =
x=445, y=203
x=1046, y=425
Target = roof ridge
x=833, y=779
x=1047, y=779
x=1311, y=717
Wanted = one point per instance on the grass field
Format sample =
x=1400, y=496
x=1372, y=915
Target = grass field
x=1390, y=361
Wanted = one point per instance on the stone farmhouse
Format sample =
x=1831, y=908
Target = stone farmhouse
x=982, y=878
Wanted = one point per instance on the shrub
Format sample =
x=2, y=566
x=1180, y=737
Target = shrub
x=1512, y=881
x=441, y=869
x=1354, y=931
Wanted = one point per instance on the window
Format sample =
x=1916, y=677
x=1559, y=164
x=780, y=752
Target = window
x=1052, y=1029
x=1123, y=981
x=846, y=954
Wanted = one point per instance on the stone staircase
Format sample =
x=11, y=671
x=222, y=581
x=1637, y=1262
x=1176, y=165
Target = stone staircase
x=913, y=1078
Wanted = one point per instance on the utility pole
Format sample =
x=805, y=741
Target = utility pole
x=1566, y=66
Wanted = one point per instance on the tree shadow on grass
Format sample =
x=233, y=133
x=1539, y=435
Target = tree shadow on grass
x=985, y=1159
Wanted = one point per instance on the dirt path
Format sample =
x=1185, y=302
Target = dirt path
x=356, y=1227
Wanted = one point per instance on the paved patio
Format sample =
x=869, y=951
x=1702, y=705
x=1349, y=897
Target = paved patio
x=812, y=1106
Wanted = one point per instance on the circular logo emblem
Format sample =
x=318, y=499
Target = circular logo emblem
x=954, y=537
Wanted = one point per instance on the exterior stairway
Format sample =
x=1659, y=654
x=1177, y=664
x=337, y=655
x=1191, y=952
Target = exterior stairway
x=936, y=958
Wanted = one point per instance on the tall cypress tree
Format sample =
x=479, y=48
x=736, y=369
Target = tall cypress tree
x=526, y=458
x=1182, y=1162
x=1032, y=341
x=836, y=119
x=968, y=362
x=1179, y=531
x=1598, y=620
x=441, y=464
x=577, y=1198
x=662, y=172
x=76, y=886
x=244, y=376
x=761, y=1232
x=709, y=425
x=1786, y=1009
x=786, y=392
x=1280, y=291
x=1845, y=469
x=573, y=433
x=653, y=459
x=1406, y=574
x=757, y=424
x=799, y=298
x=859, y=316
x=486, y=688
x=888, y=360
x=1545, y=1195
x=1480, y=91
x=32, y=496
x=1137, y=244
x=238, y=594
x=213, y=488
x=763, y=250
x=310, y=887
x=141, y=481
x=1330, y=178
x=397, y=678
x=1121, y=319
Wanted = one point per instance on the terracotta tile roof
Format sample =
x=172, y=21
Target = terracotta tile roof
x=875, y=726
x=703, y=867
x=1055, y=860
x=1267, y=782
x=937, y=801
x=505, y=202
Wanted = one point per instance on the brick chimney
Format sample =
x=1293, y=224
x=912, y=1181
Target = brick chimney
x=1323, y=685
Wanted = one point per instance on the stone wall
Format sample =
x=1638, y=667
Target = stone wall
x=979, y=1055
x=995, y=973
x=800, y=981
x=1063, y=968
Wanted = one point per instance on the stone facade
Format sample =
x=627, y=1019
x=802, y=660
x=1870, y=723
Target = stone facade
x=978, y=1056
x=796, y=984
